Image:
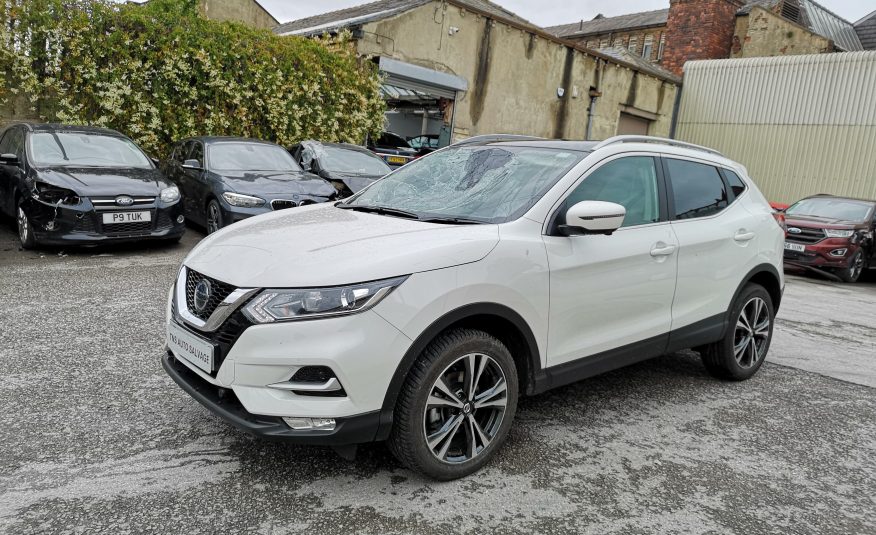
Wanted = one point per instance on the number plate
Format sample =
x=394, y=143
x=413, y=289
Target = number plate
x=127, y=217
x=795, y=247
x=192, y=348
x=397, y=159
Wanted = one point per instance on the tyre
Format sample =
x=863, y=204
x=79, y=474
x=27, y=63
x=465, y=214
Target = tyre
x=214, y=217
x=744, y=347
x=856, y=267
x=25, y=228
x=456, y=407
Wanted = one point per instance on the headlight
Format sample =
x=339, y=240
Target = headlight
x=170, y=195
x=50, y=194
x=288, y=305
x=833, y=233
x=244, y=201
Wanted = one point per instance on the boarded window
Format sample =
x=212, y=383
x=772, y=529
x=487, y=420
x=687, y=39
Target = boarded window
x=648, y=47
x=661, y=47
x=603, y=43
x=630, y=124
x=634, y=44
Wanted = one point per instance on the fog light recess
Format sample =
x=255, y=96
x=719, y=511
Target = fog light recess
x=180, y=219
x=839, y=252
x=310, y=424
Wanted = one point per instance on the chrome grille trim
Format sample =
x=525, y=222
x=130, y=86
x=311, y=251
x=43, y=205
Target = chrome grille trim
x=227, y=307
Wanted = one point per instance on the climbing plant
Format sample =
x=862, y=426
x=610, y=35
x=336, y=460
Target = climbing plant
x=159, y=72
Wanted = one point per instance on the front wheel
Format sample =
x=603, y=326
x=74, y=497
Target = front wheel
x=456, y=407
x=744, y=347
x=856, y=267
x=25, y=229
x=214, y=217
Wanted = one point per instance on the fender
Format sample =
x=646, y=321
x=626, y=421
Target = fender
x=757, y=272
x=527, y=376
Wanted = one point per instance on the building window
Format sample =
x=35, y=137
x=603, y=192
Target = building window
x=648, y=47
x=661, y=46
x=634, y=44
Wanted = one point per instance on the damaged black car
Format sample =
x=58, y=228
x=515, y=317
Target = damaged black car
x=348, y=167
x=227, y=179
x=76, y=185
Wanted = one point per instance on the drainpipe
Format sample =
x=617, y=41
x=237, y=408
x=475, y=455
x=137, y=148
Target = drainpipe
x=595, y=93
x=675, y=108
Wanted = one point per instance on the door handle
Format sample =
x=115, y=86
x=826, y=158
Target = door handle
x=743, y=236
x=662, y=249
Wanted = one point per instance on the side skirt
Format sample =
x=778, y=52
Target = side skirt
x=700, y=333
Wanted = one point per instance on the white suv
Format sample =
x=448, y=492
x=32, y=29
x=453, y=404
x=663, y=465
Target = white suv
x=420, y=309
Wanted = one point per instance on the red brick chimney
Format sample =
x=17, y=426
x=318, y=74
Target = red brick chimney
x=699, y=29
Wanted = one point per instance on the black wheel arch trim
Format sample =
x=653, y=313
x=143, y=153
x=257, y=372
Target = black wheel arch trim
x=776, y=296
x=527, y=378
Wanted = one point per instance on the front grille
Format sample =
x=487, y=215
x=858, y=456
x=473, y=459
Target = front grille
x=218, y=292
x=163, y=222
x=806, y=235
x=282, y=204
x=110, y=202
x=227, y=335
x=116, y=229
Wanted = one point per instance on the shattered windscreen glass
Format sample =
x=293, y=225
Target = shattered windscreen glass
x=488, y=184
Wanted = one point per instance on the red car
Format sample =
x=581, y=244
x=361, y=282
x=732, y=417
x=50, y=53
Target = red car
x=833, y=235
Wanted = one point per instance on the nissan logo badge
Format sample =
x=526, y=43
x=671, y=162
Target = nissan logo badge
x=124, y=200
x=202, y=295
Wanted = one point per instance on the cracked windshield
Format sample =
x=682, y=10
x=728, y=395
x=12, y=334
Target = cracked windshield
x=471, y=184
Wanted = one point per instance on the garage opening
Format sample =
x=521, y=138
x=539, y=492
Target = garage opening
x=420, y=103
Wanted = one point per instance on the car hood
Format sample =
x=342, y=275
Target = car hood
x=276, y=183
x=321, y=245
x=97, y=181
x=822, y=222
x=355, y=181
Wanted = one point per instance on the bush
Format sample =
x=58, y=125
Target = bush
x=160, y=72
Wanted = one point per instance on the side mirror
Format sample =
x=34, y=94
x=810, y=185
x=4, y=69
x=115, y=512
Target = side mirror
x=9, y=159
x=156, y=161
x=593, y=217
x=192, y=164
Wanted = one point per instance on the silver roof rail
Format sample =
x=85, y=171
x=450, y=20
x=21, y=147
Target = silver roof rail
x=487, y=138
x=659, y=140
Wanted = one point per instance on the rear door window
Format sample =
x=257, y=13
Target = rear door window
x=737, y=186
x=697, y=189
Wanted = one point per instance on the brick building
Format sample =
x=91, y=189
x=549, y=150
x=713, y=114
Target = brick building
x=716, y=29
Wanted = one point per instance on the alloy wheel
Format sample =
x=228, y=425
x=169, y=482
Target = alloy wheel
x=752, y=332
x=23, y=225
x=465, y=408
x=857, y=266
x=213, y=218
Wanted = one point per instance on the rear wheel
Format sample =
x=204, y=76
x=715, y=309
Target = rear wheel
x=214, y=217
x=25, y=229
x=856, y=267
x=456, y=407
x=743, y=349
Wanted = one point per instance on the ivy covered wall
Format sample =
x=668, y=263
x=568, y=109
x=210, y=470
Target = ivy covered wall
x=159, y=72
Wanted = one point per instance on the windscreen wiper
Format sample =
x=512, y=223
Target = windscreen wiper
x=452, y=220
x=373, y=209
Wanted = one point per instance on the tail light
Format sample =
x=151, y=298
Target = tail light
x=780, y=219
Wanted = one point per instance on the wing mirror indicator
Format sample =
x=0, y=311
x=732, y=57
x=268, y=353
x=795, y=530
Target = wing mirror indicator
x=593, y=217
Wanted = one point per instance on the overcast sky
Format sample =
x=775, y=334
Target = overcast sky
x=547, y=12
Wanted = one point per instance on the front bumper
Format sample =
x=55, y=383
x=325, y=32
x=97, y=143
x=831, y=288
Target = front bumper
x=225, y=404
x=82, y=224
x=817, y=255
x=273, y=202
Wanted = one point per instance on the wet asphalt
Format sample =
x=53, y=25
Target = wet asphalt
x=97, y=439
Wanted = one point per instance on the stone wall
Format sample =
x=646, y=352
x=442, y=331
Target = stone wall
x=514, y=75
x=764, y=33
x=249, y=12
